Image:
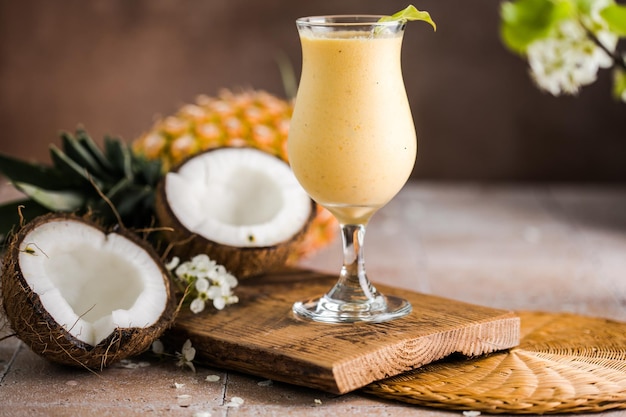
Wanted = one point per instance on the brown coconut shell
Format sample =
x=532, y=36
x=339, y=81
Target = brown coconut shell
x=242, y=262
x=36, y=327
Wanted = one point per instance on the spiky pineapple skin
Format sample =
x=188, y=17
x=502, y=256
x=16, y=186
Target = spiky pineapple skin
x=252, y=118
x=249, y=118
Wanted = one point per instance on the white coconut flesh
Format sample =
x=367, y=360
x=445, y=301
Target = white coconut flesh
x=90, y=282
x=240, y=197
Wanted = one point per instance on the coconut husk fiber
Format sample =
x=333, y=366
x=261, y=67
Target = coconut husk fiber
x=565, y=363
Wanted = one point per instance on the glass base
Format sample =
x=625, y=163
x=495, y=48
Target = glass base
x=325, y=309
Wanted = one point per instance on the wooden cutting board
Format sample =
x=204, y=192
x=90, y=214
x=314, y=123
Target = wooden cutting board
x=260, y=335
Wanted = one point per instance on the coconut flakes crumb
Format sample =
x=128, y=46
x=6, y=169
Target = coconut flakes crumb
x=212, y=378
x=532, y=234
x=129, y=364
x=202, y=414
x=266, y=383
x=178, y=386
x=235, y=402
x=317, y=401
x=183, y=400
x=471, y=413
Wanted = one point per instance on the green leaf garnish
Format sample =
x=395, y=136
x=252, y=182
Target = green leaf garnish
x=408, y=14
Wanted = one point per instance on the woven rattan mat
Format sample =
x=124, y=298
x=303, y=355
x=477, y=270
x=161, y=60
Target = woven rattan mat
x=565, y=363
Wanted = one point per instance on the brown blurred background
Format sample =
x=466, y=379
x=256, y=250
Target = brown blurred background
x=113, y=65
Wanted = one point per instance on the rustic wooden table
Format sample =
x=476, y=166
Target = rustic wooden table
x=552, y=248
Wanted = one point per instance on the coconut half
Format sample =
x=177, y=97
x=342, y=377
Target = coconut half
x=78, y=295
x=242, y=207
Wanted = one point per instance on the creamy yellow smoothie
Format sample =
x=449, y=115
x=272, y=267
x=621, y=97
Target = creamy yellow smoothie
x=352, y=142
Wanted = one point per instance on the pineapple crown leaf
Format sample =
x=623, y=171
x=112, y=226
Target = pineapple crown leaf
x=89, y=145
x=78, y=150
x=150, y=171
x=52, y=200
x=21, y=171
x=67, y=167
x=132, y=198
x=80, y=175
x=119, y=155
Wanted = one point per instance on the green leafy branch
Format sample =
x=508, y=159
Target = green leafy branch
x=524, y=22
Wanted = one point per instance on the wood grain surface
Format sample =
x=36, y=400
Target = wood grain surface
x=260, y=335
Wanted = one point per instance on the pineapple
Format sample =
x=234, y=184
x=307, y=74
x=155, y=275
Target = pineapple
x=251, y=118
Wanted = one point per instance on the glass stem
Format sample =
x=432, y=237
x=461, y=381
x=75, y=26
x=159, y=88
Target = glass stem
x=353, y=285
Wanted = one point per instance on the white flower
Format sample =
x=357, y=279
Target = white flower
x=221, y=296
x=197, y=305
x=186, y=356
x=182, y=270
x=219, y=303
x=202, y=263
x=217, y=272
x=216, y=292
x=157, y=347
x=202, y=285
x=563, y=63
x=207, y=281
x=227, y=280
x=173, y=263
